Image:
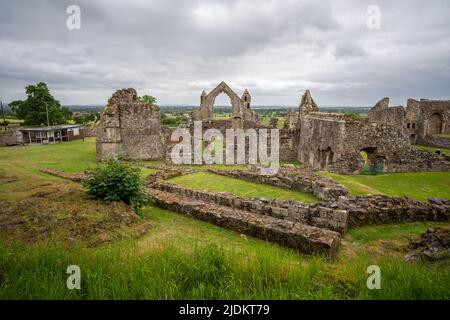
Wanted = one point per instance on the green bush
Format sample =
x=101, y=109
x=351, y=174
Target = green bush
x=117, y=181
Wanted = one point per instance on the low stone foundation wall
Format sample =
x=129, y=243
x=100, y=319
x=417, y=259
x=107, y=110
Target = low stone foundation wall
x=299, y=236
x=312, y=214
x=310, y=228
x=324, y=188
x=419, y=161
x=437, y=142
x=165, y=173
x=77, y=177
x=384, y=210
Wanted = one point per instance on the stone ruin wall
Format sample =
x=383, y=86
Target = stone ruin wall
x=314, y=227
x=129, y=128
x=383, y=114
x=362, y=210
x=310, y=228
x=240, y=107
x=334, y=142
x=436, y=142
x=288, y=138
x=372, y=210
x=411, y=123
x=303, y=237
x=338, y=215
x=314, y=214
x=434, y=118
x=324, y=188
x=289, y=141
x=424, y=118
x=324, y=141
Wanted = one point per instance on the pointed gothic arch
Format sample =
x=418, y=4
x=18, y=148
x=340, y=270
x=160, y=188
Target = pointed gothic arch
x=208, y=100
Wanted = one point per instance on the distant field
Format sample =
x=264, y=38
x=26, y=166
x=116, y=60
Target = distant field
x=13, y=120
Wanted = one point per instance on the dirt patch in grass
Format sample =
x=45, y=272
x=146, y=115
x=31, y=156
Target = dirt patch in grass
x=4, y=179
x=63, y=212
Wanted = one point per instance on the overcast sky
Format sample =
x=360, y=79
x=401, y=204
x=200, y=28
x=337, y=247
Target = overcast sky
x=277, y=49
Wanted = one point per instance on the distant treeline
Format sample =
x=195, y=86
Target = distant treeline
x=266, y=109
x=83, y=114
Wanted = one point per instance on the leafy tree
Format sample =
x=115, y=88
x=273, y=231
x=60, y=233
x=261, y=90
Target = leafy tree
x=170, y=121
x=117, y=181
x=148, y=99
x=85, y=116
x=33, y=109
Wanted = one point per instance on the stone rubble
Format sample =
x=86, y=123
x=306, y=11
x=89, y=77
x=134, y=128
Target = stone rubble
x=323, y=187
x=313, y=227
x=433, y=245
x=295, y=235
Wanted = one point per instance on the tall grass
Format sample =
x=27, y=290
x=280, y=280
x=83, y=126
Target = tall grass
x=208, y=272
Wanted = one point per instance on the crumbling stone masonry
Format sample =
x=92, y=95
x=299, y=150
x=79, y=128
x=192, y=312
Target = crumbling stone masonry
x=427, y=118
x=240, y=107
x=325, y=188
x=336, y=142
x=322, y=141
x=130, y=128
x=299, y=236
x=383, y=114
x=309, y=228
x=243, y=214
x=384, y=210
x=315, y=214
x=433, y=245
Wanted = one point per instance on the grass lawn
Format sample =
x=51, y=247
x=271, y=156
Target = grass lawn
x=22, y=164
x=369, y=234
x=183, y=258
x=213, y=182
x=417, y=185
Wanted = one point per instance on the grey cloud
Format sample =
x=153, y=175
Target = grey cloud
x=175, y=49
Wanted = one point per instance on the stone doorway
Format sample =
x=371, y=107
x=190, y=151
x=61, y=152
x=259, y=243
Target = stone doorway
x=373, y=162
x=325, y=158
x=435, y=124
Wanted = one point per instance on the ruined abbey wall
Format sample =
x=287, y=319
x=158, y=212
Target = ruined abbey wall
x=334, y=142
x=337, y=142
x=129, y=128
x=240, y=107
x=323, y=141
x=383, y=114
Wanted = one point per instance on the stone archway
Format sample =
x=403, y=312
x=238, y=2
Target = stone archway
x=372, y=161
x=208, y=100
x=435, y=124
